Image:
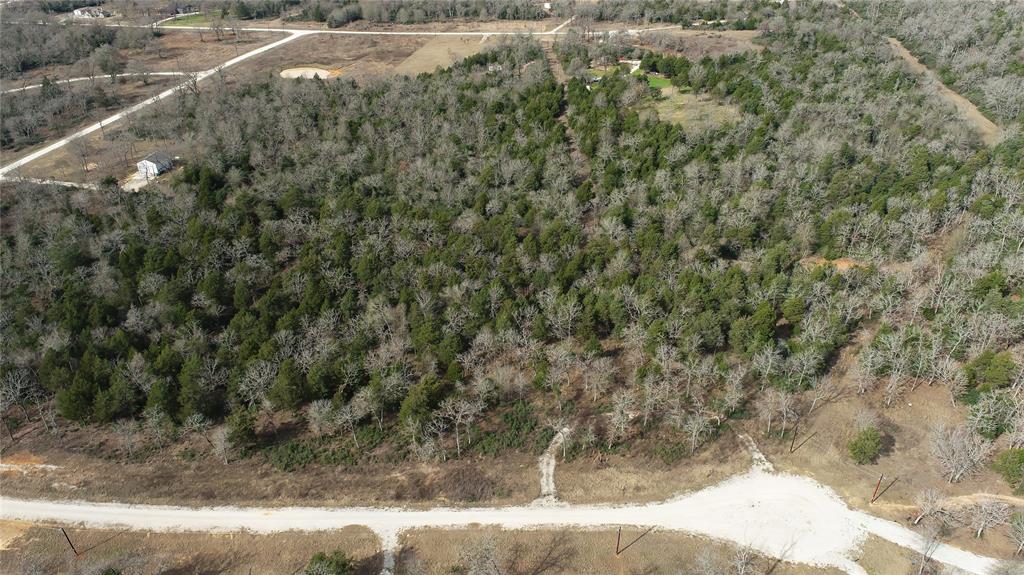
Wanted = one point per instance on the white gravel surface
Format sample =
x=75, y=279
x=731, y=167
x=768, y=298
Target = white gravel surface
x=782, y=515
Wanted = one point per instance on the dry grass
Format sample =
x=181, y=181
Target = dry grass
x=880, y=557
x=623, y=479
x=442, y=51
x=173, y=51
x=461, y=25
x=695, y=44
x=355, y=57
x=185, y=474
x=438, y=552
x=908, y=423
x=695, y=113
x=129, y=91
x=42, y=549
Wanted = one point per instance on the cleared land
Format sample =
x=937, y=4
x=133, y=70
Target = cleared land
x=127, y=91
x=35, y=548
x=906, y=458
x=356, y=57
x=171, y=51
x=438, y=551
x=695, y=113
x=781, y=515
x=442, y=51
x=457, y=25
x=96, y=156
x=85, y=459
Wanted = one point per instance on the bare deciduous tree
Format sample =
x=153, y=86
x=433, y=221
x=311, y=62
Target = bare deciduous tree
x=929, y=502
x=988, y=514
x=220, y=440
x=958, y=451
x=320, y=417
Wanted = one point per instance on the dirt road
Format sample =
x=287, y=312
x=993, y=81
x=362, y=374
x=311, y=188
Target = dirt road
x=782, y=515
x=6, y=170
x=990, y=133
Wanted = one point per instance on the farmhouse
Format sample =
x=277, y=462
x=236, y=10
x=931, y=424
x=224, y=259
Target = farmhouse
x=90, y=12
x=154, y=164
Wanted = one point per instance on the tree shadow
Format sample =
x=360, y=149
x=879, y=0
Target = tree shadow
x=554, y=555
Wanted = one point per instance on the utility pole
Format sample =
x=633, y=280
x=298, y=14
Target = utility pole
x=877, y=485
x=70, y=544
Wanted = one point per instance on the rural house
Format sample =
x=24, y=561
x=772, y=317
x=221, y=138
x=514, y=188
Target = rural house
x=154, y=164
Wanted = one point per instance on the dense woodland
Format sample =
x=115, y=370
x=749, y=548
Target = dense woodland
x=24, y=46
x=977, y=48
x=404, y=260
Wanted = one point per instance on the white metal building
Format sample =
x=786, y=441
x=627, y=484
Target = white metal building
x=154, y=164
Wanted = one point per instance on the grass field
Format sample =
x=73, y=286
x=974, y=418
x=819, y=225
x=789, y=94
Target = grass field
x=692, y=111
x=442, y=51
x=658, y=82
x=190, y=20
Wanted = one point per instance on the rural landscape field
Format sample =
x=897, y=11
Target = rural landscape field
x=508, y=287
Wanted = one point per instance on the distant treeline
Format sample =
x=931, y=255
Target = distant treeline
x=27, y=46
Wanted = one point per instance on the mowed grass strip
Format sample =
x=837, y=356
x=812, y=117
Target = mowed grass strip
x=190, y=20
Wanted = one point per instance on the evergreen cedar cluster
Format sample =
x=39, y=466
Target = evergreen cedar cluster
x=399, y=243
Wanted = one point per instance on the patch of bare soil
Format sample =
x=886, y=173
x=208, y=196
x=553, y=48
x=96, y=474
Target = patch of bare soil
x=43, y=549
x=990, y=133
x=841, y=264
x=439, y=552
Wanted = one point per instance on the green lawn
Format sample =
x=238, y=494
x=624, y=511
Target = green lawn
x=190, y=20
x=658, y=82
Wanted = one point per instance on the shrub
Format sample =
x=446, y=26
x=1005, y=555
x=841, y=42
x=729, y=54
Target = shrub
x=291, y=456
x=468, y=483
x=865, y=447
x=991, y=370
x=337, y=563
x=1010, y=464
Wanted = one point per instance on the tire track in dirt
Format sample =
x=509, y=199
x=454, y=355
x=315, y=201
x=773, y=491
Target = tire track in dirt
x=546, y=463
